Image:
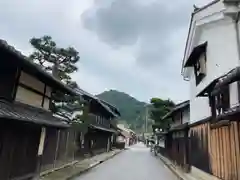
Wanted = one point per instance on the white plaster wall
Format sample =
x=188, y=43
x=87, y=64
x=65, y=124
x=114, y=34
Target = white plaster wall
x=28, y=97
x=199, y=109
x=46, y=103
x=222, y=56
x=199, y=106
x=198, y=18
x=233, y=90
x=48, y=91
x=31, y=82
x=185, y=116
x=31, y=98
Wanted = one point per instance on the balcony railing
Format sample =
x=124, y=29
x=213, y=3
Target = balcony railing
x=98, y=120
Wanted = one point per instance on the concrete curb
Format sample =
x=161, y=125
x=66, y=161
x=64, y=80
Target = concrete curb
x=93, y=166
x=173, y=169
x=45, y=173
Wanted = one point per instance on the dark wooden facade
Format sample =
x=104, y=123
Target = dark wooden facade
x=199, y=147
x=32, y=140
x=18, y=149
x=176, y=139
x=25, y=94
x=60, y=148
x=100, y=134
x=177, y=147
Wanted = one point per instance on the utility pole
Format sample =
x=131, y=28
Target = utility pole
x=146, y=119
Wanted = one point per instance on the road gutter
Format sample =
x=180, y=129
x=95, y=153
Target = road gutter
x=93, y=165
x=175, y=170
x=76, y=169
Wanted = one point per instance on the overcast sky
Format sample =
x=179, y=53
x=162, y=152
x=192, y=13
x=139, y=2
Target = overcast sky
x=133, y=46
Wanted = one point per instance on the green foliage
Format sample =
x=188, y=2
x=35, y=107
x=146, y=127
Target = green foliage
x=158, y=109
x=130, y=108
x=80, y=122
x=61, y=63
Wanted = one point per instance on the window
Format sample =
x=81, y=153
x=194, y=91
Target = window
x=97, y=119
x=238, y=83
x=200, y=68
x=221, y=102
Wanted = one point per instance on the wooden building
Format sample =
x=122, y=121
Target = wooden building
x=101, y=131
x=176, y=138
x=211, y=65
x=27, y=125
x=215, y=140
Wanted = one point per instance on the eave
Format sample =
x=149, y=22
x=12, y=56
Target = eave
x=208, y=89
x=34, y=69
x=230, y=77
x=26, y=113
x=178, y=107
x=195, y=54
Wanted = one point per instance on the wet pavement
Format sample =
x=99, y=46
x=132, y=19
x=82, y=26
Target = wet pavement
x=136, y=163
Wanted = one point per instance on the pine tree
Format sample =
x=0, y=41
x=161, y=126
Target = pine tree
x=61, y=63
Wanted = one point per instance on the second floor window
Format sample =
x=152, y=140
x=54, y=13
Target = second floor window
x=200, y=68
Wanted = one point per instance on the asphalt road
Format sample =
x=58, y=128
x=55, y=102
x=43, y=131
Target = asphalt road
x=136, y=163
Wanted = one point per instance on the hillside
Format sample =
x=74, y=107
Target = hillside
x=129, y=107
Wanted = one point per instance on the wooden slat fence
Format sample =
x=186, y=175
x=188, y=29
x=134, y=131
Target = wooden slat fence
x=215, y=150
x=60, y=148
x=176, y=148
x=18, y=149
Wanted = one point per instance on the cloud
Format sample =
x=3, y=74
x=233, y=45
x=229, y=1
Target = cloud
x=128, y=22
x=157, y=32
x=133, y=46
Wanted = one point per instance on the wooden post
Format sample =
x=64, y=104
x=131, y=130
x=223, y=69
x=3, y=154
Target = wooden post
x=40, y=152
x=56, y=151
x=108, y=144
x=66, y=147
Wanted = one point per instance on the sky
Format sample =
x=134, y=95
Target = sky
x=133, y=46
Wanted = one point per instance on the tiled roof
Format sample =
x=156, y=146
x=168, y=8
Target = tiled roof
x=104, y=104
x=176, y=108
x=27, y=113
x=103, y=128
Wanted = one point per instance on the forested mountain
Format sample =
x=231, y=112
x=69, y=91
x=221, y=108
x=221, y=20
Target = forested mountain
x=130, y=108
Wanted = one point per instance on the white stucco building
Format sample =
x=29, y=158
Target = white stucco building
x=212, y=50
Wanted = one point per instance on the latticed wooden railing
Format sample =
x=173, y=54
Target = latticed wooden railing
x=98, y=121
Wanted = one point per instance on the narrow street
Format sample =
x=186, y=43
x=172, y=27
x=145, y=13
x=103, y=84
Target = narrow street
x=135, y=163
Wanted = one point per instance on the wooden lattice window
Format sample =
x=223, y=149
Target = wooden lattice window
x=222, y=101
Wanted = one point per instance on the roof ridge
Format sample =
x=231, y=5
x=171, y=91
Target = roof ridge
x=205, y=6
